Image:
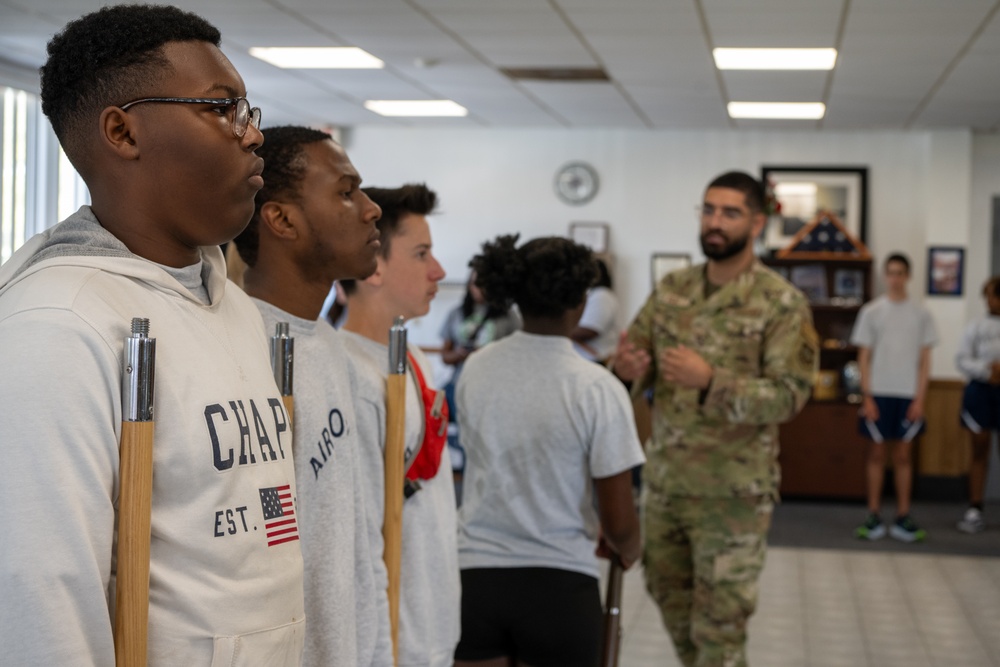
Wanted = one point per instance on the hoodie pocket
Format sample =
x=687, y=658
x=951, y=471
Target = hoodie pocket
x=280, y=646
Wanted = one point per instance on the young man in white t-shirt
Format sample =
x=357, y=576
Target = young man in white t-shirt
x=894, y=336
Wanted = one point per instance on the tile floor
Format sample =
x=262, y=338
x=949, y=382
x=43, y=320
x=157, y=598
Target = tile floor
x=825, y=608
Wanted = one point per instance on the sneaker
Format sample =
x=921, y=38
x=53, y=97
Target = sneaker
x=972, y=522
x=905, y=530
x=871, y=529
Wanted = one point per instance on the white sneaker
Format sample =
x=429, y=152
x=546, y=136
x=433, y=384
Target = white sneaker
x=972, y=522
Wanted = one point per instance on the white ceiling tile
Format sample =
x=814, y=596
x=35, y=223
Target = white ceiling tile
x=893, y=55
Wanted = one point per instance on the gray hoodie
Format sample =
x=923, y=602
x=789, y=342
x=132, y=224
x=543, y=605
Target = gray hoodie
x=225, y=584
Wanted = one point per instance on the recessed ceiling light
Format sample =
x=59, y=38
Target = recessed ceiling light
x=416, y=108
x=800, y=110
x=775, y=58
x=338, y=57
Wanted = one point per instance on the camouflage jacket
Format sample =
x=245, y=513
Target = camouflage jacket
x=757, y=334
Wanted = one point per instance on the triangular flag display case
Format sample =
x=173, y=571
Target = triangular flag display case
x=825, y=238
x=822, y=454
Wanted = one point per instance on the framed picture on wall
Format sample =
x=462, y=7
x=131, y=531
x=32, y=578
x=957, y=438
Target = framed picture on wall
x=849, y=284
x=945, y=269
x=663, y=263
x=811, y=279
x=594, y=235
x=797, y=194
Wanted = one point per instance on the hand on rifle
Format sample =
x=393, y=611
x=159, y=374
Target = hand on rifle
x=604, y=550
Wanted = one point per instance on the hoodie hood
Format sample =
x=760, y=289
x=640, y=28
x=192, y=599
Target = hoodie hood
x=81, y=241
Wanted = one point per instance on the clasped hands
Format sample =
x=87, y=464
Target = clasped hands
x=679, y=365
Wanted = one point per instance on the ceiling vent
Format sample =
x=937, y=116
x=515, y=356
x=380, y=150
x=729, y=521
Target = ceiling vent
x=557, y=74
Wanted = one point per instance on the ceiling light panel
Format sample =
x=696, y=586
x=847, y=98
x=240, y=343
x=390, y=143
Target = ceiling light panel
x=773, y=59
x=415, y=108
x=339, y=57
x=783, y=110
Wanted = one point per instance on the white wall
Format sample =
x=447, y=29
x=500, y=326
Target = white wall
x=494, y=181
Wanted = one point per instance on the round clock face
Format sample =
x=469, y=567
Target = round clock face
x=576, y=183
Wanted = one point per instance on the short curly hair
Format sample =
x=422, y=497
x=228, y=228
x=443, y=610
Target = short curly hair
x=285, y=165
x=107, y=58
x=412, y=198
x=545, y=277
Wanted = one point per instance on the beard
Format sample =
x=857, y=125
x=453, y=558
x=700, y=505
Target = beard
x=730, y=248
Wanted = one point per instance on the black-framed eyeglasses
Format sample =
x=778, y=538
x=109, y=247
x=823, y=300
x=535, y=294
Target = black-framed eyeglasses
x=241, y=114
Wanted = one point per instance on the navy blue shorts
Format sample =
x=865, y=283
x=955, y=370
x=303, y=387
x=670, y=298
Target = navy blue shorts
x=541, y=616
x=981, y=407
x=892, y=423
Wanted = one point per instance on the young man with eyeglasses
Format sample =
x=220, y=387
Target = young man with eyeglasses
x=313, y=225
x=154, y=118
x=730, y=351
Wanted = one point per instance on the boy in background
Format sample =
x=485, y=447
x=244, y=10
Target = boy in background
x=978, y=358
x=894, y=336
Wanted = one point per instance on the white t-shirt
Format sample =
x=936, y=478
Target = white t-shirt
x=430, y=589
x=600, y=315
x=538, y=424
x=347, y=610
x=895, y=332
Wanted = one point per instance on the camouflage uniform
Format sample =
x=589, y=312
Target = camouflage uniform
x=712, y=475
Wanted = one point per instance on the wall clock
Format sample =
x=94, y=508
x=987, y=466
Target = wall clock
x=576, y=183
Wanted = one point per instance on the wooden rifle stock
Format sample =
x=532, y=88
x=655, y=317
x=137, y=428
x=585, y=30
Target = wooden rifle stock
x=395, y=470
x=612, y=614
x=135, y=498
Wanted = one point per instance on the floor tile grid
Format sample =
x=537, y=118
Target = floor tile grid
x=970, y=637
x=890, y=630
x=822, y=608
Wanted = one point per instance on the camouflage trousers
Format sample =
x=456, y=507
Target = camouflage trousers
x=702, y=559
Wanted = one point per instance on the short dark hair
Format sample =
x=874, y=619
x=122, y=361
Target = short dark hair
x=285, y=163
x=752, y=189
x=412, y=198
x=992, y=287
x=545, y=277
x=110, y=57
x=898, y=257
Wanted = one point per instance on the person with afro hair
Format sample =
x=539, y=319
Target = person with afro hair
x=155, y=118
x=551, y=442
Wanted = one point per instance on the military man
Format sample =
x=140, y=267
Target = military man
x=730, y=351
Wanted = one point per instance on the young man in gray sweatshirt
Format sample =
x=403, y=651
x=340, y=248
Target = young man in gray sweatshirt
x=313, y=225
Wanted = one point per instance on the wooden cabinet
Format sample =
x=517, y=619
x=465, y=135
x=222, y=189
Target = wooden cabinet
x=822, y=454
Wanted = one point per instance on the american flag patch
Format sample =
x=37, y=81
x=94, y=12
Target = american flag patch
x=279, y=515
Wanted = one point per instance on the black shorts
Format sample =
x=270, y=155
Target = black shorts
x=892, y=423
x=981, y=407
x=541, y=616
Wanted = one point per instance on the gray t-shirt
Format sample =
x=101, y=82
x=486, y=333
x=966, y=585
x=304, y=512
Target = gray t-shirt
x=347, y=611
x=538, y=423
x=980, y=348
x=895, y=332
x=430, y=590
